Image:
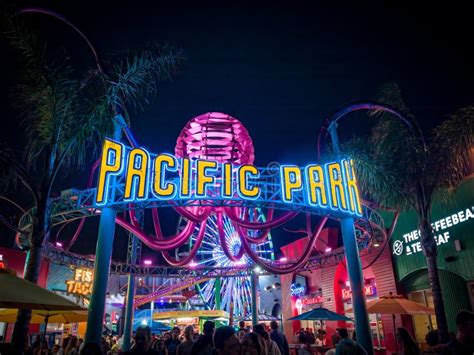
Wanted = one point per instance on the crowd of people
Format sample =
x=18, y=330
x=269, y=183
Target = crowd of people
x=260, y=340
x=214, y=341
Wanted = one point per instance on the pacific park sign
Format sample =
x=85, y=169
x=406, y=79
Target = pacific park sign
x=135, y=175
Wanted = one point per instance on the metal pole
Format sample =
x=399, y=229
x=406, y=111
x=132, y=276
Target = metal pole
x=354, y=268
x=254, y=286
x=101, y=276
x=103, y=256
x=217, y=293
x=133, y=255
x=127, y=328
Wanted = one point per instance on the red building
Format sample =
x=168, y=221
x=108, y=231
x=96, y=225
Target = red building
x=329, y=287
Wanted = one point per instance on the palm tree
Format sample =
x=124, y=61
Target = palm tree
x=64, y=118
x=402, y=169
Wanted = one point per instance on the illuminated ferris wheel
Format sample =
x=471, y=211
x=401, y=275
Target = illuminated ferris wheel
x=233, y=293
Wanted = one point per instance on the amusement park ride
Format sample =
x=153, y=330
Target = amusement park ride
x=226, y=207
x=225, y=228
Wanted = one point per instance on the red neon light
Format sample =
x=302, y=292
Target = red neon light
x=313, y=300
x=368, y=290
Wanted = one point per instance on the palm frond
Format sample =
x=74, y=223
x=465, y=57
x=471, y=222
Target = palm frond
x=375, y=178
x=12, y=171
x=133, y=80
x=453, y=144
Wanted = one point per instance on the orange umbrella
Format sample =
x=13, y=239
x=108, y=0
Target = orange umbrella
x=396, y=304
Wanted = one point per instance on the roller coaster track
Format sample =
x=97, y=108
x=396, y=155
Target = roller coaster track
x=74, y=205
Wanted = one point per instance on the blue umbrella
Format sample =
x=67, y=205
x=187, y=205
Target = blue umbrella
x=142, y=317
x=321, y=314
x=155, y=326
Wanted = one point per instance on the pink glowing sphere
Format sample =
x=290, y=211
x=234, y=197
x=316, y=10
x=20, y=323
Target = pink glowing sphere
x=216, y=136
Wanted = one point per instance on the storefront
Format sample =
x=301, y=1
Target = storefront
x=182, y=319
x=453, y=225
x=329, y=287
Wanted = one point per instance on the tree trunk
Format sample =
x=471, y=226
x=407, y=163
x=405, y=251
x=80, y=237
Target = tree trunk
x=430, y=250
x=40, y=234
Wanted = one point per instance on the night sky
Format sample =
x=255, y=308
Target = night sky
x=280, y=68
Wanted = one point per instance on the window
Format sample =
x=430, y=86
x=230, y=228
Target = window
x=423, y=323
x=375, y=320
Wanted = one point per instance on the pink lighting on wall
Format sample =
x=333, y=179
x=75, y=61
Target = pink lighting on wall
x=327, y=250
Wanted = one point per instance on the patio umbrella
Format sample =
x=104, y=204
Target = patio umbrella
x=38, y=316
x=321, y=314
x=18, y=293
x=261, y=318
x=396, y=304
x=155, y=326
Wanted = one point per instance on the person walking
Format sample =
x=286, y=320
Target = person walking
x=226, y=341
x=347, y=346
x=252, y=344
x=72, y=347
x=270, y=345
x=279, y=338
x=407, y=343
x=186, y=346
x=204, y=344
x=463, y=343
x=171, y=345
x=142, y=342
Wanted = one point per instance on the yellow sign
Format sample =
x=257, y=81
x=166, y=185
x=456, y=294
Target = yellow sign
x=82, y=282
x=147, y=177
x=191, y=314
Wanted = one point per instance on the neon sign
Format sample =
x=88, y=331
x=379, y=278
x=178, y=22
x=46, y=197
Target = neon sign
x=312, y=300
x=82, y=282
x=410, y=244
x=297, y=290
x=134, y=175
x=368, y=291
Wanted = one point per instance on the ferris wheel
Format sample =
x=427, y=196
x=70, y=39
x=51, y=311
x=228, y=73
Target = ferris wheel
x=233, y=293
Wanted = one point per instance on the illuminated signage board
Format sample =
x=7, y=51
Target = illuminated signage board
x=133, y=175
x=410, y=243
x=297, y=290
x=82, y=282
x=312, y=300
x=368, y=291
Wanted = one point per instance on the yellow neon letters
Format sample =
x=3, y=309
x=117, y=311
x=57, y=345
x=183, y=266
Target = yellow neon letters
x=204, y=180
x=161, y=189
x=316, y=188
x=137, y=169
x=290, y=181
x=227, y=180
x=128, y=175
x=111, y=164
x=185, y=177
x=336, y=186
x=352, y=189
x=246, y=172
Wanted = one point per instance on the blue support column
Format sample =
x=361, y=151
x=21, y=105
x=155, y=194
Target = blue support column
x=127, y=329
x=354, y=269
x=103, y=256
x=133, y=256
x=254, y=291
